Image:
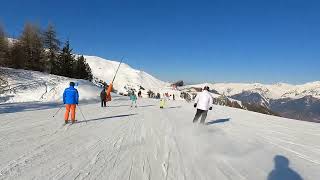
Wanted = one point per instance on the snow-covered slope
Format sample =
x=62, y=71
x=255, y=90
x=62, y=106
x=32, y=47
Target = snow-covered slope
x=120, y=143
x=127, y=77
x=25, y=86
x=274, y=91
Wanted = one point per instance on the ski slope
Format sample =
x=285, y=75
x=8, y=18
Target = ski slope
x=118, y=142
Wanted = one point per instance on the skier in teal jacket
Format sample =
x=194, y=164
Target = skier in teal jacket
x=133, y=98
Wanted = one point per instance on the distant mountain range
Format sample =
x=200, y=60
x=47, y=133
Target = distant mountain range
x=292, y=101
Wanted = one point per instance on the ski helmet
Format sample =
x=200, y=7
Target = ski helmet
x=72, y=84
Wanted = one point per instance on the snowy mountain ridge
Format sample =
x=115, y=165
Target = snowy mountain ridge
x=104, y=70
x=269, y=91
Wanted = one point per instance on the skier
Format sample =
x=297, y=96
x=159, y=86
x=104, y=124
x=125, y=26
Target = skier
x=173, y=97
x=109, y=90
x=139, y=94
x=162, y=103
x=103, y=96
x=133, y=98
x=203, y=103
x=70, y=99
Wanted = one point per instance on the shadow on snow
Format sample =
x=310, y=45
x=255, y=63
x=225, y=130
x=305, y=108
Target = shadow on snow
x=176, y=107
x=218, y=121
x=20, y=107
x=126, y=105
x=282, y=170
x=34, y=106
x=105, y=118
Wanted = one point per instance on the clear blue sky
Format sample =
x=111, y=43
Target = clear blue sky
x=264, y=41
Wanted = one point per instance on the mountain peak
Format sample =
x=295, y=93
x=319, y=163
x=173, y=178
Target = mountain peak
x=104, y=70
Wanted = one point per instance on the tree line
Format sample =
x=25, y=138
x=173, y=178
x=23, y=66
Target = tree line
x=41, y=50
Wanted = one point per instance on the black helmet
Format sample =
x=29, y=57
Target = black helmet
x=72, y=84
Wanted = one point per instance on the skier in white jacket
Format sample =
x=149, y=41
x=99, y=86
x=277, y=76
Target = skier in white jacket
x=203, y=103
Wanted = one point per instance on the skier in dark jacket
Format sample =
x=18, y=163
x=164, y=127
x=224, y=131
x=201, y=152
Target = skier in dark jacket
x=70, y=99
x=103, y=96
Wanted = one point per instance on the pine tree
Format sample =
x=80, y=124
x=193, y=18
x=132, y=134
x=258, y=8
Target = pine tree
x=4, y=49
x=17, y=56
x=52, y=45
x=79, y=70
x=88, y=72
x=82, y=69
x=32, y=46
x=66, y=61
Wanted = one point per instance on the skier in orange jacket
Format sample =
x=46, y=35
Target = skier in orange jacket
x=109, y=90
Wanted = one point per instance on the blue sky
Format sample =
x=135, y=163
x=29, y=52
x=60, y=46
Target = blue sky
x=264, y=41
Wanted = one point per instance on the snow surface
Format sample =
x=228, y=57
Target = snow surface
x=273, y=91
x=105, y=69
x=26, y=86
x=118, y=142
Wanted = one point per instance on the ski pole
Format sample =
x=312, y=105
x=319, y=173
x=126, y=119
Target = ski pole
x=57, y=112
x=117, y=70
x=82, y=113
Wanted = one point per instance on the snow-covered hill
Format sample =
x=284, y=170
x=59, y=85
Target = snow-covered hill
x=26, y=86
x=151, y=143
x=127, y=77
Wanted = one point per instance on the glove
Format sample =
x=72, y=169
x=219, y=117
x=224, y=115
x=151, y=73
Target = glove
x=195, y=105
x=210, y=108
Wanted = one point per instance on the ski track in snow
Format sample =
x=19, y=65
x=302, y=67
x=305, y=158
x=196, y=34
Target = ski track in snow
x=144, y=143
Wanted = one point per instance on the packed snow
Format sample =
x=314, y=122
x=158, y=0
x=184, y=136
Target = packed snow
x=119, y=142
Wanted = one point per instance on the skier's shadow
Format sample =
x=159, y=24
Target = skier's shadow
x=126, y=105
x=282, y=170
x=174, y=107
x=147, y=105
x=119, y=105
x=217, y=121
x=105, y=118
